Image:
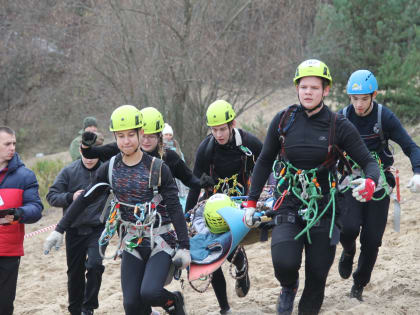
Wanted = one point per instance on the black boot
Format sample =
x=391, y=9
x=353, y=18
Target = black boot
x=286, y=298
x=356, y=292
x=345, y=266
x=177, y=307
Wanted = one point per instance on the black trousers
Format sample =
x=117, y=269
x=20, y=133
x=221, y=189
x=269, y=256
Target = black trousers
x=369, y=220
x=286, y=255
x=218, y=280
x=9, y=268
x=143, y=281
x=84, y=269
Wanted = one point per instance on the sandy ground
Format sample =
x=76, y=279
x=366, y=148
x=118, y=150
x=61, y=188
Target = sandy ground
x=394, y=288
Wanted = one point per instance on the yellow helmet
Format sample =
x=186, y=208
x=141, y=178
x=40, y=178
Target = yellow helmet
x=152, y=120
x=214, y=221
x=312, y=68
x=219, y=112
x=125, y=117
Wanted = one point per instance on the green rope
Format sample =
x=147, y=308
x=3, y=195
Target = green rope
x=304, y=185
x=385, y=185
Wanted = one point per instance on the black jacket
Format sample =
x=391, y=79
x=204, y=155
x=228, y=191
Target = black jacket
x=306, y=146
x=392, y=130
x=130, y=185
x=71, y=179
x=226, y=160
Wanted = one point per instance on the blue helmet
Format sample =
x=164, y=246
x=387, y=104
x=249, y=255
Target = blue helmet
x=362, y=82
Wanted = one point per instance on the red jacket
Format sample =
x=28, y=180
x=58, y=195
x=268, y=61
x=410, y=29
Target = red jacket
x=18, y=189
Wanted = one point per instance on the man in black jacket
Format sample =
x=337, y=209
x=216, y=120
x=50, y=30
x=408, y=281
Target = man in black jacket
x=82, y=247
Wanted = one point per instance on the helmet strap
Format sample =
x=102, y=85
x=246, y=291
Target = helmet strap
x=370, y=105
x=310, y=110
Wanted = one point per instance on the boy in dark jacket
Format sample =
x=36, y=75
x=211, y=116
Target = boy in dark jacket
x=19, y=205
x=82, y=237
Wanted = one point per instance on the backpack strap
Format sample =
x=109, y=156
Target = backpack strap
x=285, y=123
x=155, y=174
x=346, y=111
x=379, y=130
x=110, y=167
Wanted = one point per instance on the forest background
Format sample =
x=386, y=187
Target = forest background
x=63, y=60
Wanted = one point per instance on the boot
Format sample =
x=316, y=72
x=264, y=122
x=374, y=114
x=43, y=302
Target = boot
x=178, y=306
x=345, y=266
x=356, y=292
x=286, y=298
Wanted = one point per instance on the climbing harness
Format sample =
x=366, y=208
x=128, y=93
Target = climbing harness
x=246, y=165
x=304, y=185
x=229, y=186
x=146, y=215
x=377, y=129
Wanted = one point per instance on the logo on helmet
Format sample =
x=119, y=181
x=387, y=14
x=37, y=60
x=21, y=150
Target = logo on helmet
x=356, y=87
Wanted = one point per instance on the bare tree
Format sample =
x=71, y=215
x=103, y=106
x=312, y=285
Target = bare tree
x=180, y=56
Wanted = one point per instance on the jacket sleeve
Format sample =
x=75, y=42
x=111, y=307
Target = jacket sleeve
x=59, y=194
x=200, y=167
x=74, y=149
x=104, y=152
x=169, y=192
x=398, y=134
x=32, y=205
x=80, y=204
x=180, y=170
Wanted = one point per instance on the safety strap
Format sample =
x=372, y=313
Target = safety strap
x=239, y=143
x=286, y=122
x=110, y=168
x=155, y=173
x=378, y=126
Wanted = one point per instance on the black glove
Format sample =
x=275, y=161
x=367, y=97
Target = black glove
x=89, y=138
x=206, y=181
x=16, y=212
x=4, y=212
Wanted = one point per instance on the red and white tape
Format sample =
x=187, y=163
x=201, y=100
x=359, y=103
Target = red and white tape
x=45, y=229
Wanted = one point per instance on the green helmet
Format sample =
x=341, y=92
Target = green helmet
x=125, y=117
x=214, y=221
x=312, y=68
x=152, y=120
x=219, y=112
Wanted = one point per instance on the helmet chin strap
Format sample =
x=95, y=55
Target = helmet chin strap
x=370, y=106
x=310, y=110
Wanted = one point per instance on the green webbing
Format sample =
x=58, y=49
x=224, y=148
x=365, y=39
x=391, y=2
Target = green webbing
x=385, y=185
x=304, y=185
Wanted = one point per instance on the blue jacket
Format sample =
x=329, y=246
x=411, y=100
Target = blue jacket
x=392, y=129
x=18, y=189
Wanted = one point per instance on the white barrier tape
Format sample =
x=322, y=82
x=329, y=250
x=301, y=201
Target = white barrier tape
x=48, y=228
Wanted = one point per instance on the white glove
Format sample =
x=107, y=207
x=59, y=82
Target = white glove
x=414, y=184
x=54, y=239
x=249, y=214
x=182, y=258
x=365, y=187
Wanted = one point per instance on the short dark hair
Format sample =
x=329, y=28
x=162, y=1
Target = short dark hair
x=8, y=130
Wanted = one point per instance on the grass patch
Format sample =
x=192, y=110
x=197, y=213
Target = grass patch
x=46, y=171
